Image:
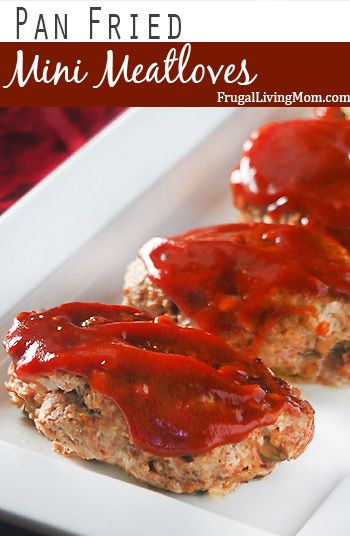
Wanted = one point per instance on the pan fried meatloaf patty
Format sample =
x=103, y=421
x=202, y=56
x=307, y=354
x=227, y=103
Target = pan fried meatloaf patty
x=277, y=291
x=174, y=407
x=297, y=172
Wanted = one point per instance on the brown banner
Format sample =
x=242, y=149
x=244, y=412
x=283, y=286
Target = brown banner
x=264, y=72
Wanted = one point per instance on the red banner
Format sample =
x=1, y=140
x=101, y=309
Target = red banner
x=163, y=74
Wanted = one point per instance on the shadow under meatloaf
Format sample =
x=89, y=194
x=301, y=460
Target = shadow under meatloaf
x=85, y=423
x=294, y=347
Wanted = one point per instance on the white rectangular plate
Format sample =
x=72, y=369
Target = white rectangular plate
x=152, y=172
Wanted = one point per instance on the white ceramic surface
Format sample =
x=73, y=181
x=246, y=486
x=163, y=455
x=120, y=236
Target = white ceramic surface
x=154, y=171
x=333, y=515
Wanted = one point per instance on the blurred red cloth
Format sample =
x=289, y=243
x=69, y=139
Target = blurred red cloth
x=33, y=141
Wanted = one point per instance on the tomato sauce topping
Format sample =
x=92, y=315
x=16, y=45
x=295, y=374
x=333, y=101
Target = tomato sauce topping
x=228, y=277
x=181, y=390
x=300, y=166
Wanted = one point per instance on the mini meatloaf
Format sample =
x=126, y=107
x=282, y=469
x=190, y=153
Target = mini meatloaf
x=174, y=407
x=297, y=172
x=277, y=291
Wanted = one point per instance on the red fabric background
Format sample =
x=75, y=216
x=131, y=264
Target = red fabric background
x=33, y=141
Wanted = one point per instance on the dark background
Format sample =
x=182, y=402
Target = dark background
x=33, y=141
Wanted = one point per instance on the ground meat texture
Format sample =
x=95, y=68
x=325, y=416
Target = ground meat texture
x=310, y=346
x=84, y=423
x=257, y=215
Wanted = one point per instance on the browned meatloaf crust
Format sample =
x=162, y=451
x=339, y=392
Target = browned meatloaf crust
x=294, y=346
x=256, y=215
x=84, y=423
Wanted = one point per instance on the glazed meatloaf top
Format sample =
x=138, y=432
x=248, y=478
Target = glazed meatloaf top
x=234, y=276
x=277, y=291
x=297, y=171
x=182, y=391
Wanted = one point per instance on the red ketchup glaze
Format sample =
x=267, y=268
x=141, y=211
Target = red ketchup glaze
x=225, y=277
x=298, y=166
x=181, y=390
